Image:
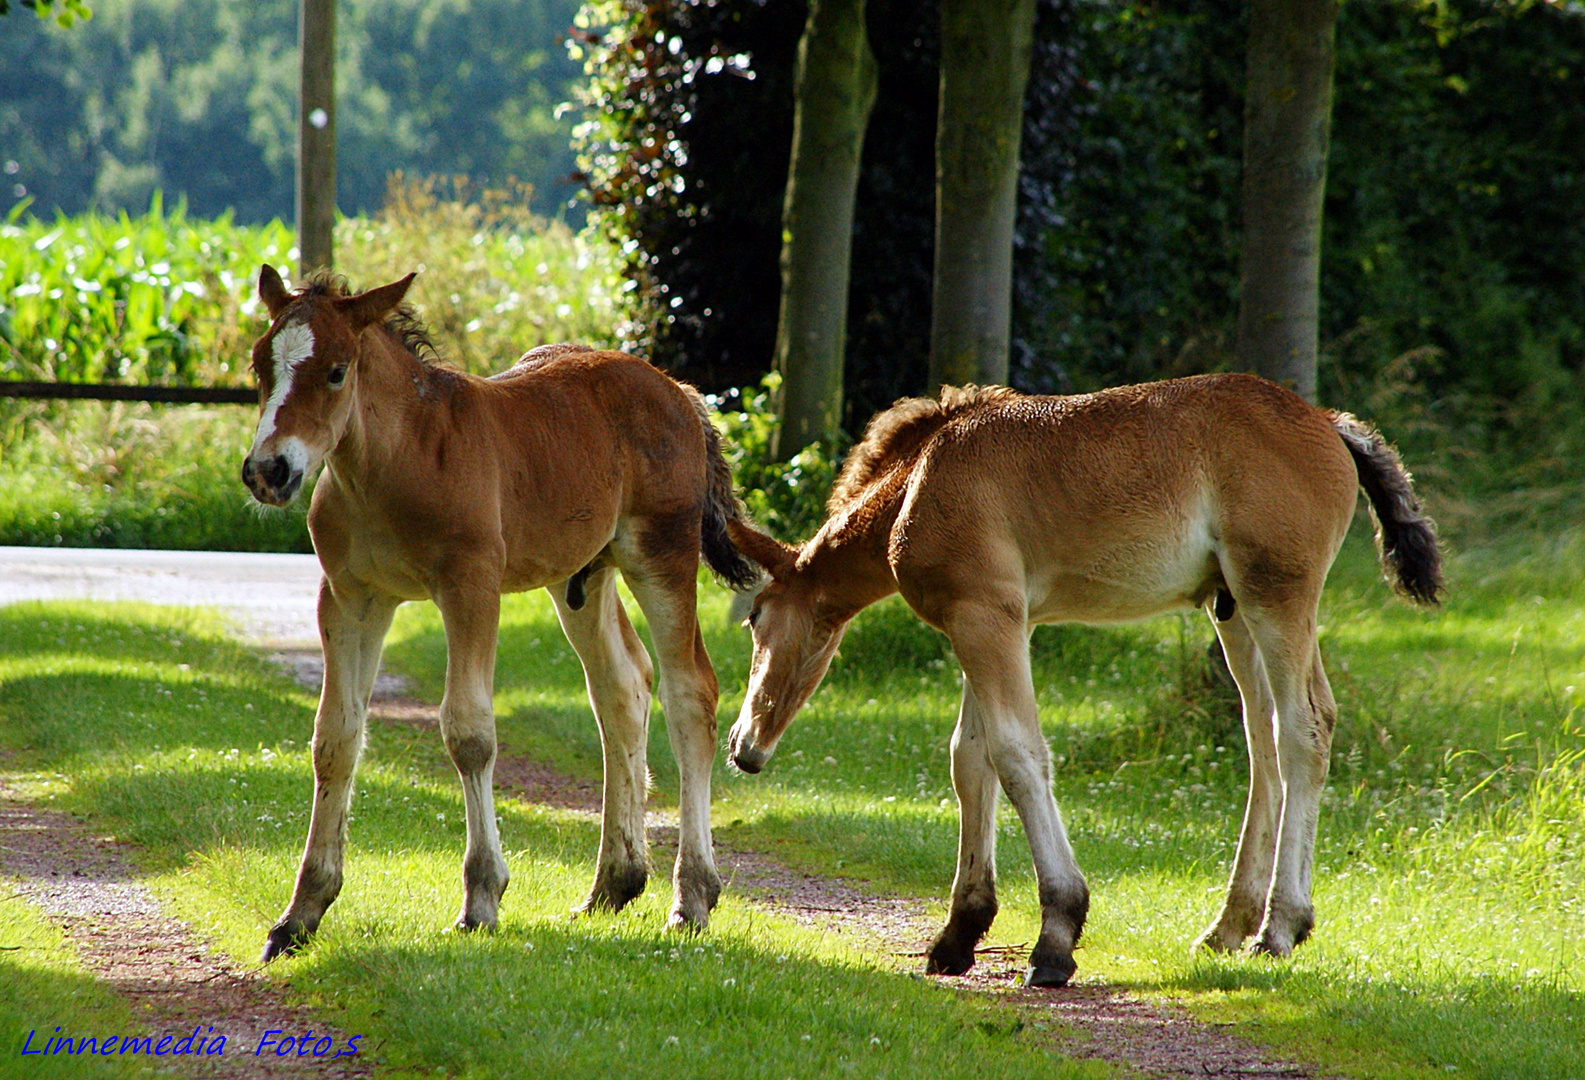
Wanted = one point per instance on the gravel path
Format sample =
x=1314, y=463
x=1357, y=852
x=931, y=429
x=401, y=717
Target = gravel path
x=126, y=939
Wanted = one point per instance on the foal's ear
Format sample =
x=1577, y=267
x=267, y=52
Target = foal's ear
x=776, y=557
x=368, y=308
x=272, y=290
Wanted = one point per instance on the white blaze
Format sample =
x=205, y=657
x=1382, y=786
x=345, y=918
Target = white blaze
x=292, y=344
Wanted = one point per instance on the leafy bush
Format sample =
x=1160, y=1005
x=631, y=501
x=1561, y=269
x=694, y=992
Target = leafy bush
x=158, y=298
x=786, y=498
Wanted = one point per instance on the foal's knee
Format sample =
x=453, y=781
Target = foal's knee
x=470, y=753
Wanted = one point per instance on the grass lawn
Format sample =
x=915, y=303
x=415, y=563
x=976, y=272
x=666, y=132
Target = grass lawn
x=155, y=726
x=1450, y=890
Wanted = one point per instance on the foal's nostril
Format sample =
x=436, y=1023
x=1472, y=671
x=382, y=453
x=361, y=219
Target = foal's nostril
x=277, y=472
x=247, y=472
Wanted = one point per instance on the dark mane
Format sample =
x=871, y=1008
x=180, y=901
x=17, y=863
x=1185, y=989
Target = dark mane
x=895, y=435
x=402, y=324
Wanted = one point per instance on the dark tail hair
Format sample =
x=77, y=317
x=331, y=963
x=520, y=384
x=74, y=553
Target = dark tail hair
x=1405, y=537
x=720, y=506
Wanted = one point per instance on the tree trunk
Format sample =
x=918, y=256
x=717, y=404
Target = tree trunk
x=835, y=87
x=985, y=50
x=1287, y=120
x=316, y=135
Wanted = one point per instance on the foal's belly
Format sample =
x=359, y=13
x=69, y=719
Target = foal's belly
x=1125, y=582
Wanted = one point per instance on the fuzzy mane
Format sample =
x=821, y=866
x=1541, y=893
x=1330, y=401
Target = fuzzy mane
x=402, y=324
x=896, y=435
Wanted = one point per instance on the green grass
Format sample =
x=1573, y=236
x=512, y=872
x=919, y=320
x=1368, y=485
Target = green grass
x=1448, y=871
x=154, y=726
x=1449, y=884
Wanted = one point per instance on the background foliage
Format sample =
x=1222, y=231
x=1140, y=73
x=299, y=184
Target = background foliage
x=196, y=96
x=1455, y=215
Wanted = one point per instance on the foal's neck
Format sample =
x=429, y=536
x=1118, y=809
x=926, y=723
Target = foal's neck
x=395, y=390
x=848, y=554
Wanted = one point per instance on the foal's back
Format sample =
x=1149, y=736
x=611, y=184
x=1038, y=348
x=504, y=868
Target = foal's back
x=1126, y=502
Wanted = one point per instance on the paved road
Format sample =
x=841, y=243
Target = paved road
x=271, y=597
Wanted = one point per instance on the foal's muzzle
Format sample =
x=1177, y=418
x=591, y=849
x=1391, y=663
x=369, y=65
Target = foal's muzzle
x=743, y=754
x=272, y=480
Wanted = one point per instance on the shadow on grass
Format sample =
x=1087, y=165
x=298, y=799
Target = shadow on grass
x=595, y=998
x=37, y=1001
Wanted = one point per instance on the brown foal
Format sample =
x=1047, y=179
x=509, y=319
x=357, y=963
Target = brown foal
x=992, y=512
x=438, y=485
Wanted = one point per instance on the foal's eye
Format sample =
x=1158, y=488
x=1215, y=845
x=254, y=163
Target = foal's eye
x=337, y=376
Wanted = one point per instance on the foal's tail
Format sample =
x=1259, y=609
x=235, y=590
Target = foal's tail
x=1405, y=537
x=720, y=507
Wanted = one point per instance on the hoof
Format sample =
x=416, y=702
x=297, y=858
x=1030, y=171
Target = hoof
x=1269, y=946
x=688, y=922
x=949, y=958
x=613, y=891
x=694, y=896
x=286, y=937
x=1050, y=972
x=1216, y=941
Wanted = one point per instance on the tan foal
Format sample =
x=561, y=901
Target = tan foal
x=992, y=512
x=438, y=485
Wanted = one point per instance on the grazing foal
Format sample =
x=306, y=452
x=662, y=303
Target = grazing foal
x=992, y=512
x=442, y=486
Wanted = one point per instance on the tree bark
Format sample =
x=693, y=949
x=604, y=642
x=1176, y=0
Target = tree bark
x=1287, y=122
x=985, y=50
x=835, y=88
x=316, y=135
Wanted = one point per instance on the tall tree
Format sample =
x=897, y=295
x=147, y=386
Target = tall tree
x=1287, y=123
x=985, y=50
x=834, y=91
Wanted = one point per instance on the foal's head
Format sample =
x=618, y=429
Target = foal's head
x=797, y=628
x=306, y=366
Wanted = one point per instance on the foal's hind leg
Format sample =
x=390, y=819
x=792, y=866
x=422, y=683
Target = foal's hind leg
x=351, y=630
x=1245, y=906
x=666, y=589
x=974, y=884
x=618, y=674
x=1306, y=716
x=467, y=723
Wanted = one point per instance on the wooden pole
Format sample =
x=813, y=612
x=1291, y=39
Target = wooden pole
x=316, y=135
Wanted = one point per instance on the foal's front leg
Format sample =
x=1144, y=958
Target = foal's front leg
x=351, y=631
x=467, y=723
x=974, y=884
x=688, y=693
x=994, y=652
